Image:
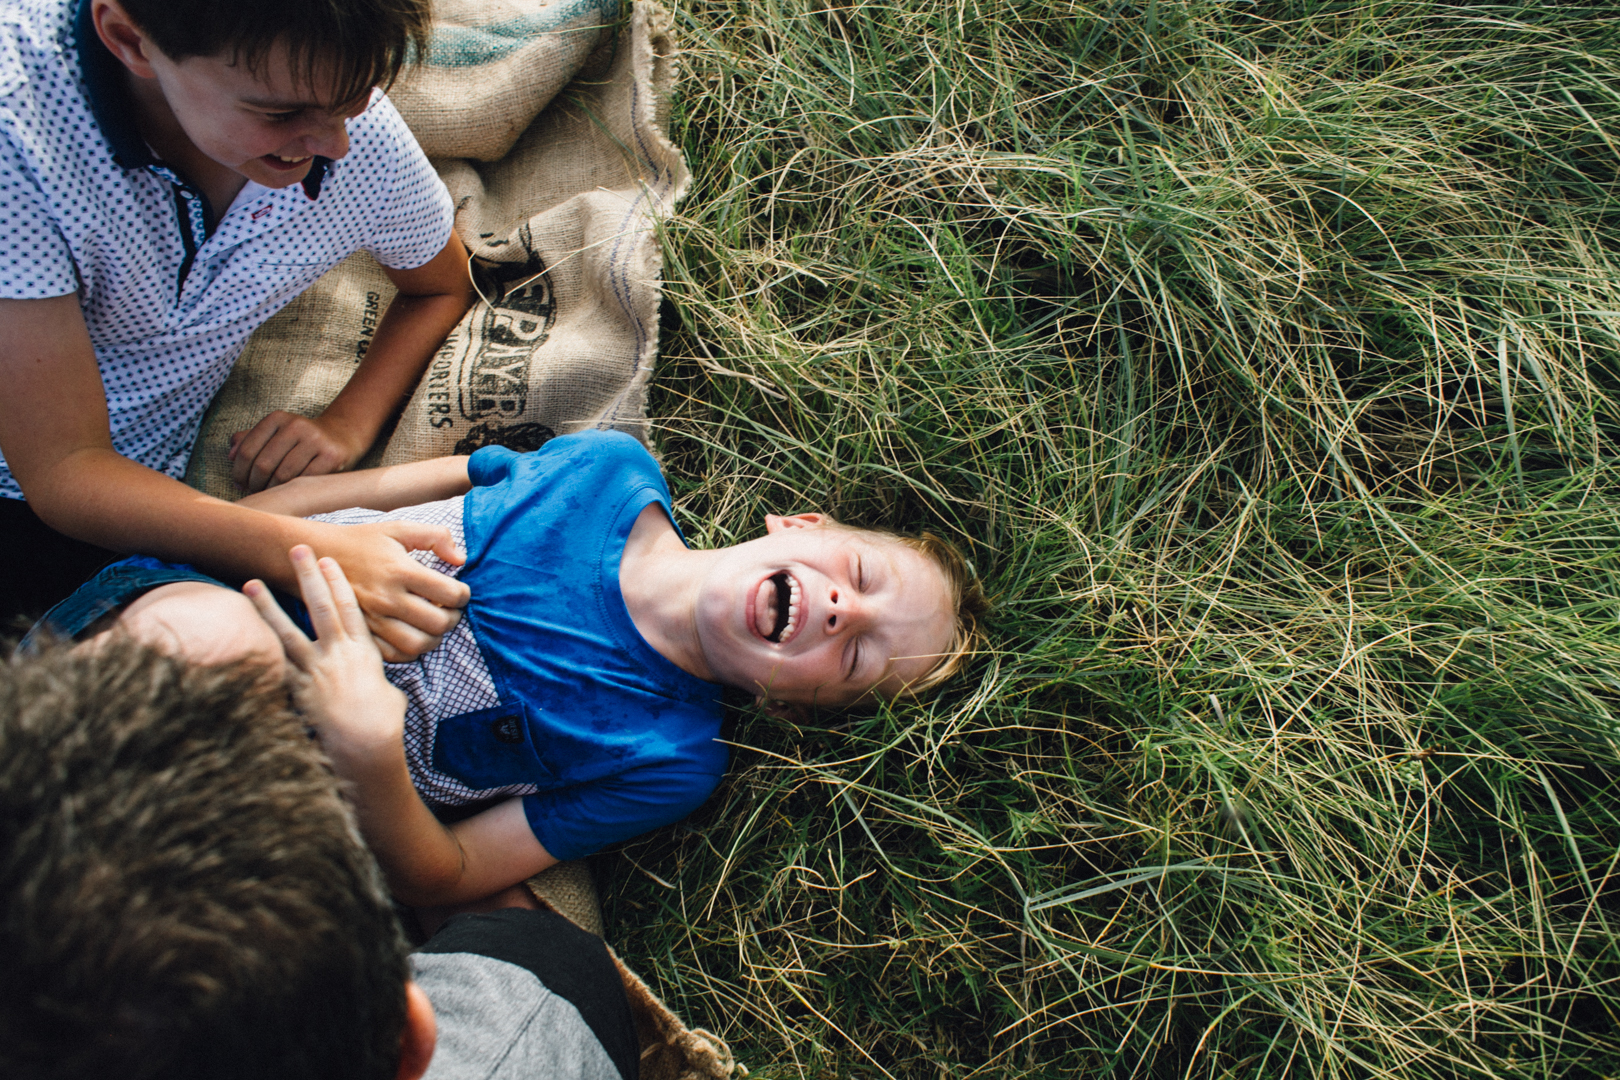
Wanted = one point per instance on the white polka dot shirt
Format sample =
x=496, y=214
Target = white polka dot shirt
x=169, y=301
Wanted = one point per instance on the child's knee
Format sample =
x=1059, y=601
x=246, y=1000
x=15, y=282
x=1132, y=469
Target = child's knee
x=207, y=624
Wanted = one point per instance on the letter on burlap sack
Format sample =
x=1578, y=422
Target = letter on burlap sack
x=561, y=230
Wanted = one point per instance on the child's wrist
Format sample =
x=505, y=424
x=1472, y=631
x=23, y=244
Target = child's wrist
x=354, y=432
x=369, y=757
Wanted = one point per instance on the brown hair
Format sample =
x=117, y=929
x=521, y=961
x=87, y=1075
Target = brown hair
x=360, y=43
x=183, y=892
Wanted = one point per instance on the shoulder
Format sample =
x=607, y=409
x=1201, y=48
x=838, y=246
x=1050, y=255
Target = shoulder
x=382, y=122
x=12, y=72
x=520, y=993
x=36, y=52
x=382, y=156
x=596, y=452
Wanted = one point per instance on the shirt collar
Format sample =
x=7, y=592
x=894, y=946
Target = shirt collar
x=114, y=108
x=110, y=101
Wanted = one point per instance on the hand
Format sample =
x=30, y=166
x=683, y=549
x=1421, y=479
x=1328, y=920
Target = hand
x=284, y=445
x=407, y=606
x=337, y=679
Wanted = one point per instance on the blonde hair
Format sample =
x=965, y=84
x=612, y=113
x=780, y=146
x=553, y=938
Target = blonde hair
x=968, y=603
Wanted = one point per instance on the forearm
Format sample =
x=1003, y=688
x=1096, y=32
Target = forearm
x=421, y=858
x=96, y=495
x=388, y=488
x=432, y=299
x=425, y=861
x=411, y=331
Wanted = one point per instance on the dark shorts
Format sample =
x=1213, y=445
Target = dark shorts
x=117, y=585
x=42, y=565
x=111, y=588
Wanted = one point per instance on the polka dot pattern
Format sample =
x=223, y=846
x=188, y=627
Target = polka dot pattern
x=168, y=304
x=447, y=681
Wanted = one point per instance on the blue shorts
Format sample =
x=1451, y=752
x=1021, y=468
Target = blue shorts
x=120, y=583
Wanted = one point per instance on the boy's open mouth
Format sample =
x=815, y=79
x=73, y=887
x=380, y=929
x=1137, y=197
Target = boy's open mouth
x=276, y=161
x=777, y=606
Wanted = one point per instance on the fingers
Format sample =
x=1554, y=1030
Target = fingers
x=398, y=641
x=348, y=606
x=334, y=611
x=432, y=586
x=281, y=447
x=317, y=593
x=285, y=456
x=248, y=445
x=299, y=649
x=413, y=627
x=406, y=606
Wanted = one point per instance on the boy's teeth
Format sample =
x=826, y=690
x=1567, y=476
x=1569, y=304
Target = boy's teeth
x=793, y=608
x=777, y=607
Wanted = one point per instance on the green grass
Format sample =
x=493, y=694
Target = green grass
x=1266, y=360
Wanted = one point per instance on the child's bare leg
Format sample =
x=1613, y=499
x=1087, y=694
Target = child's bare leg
x=204, y=623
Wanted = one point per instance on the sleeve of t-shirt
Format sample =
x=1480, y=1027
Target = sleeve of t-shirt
x=578, y=821
x=489, y=465
x=415, y=224
x=525, y=993
x=608, y=450
x=35, y=262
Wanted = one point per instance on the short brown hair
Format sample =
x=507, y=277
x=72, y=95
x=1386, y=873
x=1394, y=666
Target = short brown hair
x=184, y=892
x=363, y=43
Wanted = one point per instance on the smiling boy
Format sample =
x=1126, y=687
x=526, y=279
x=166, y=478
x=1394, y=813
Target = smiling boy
x=173, y=172
x=576, y=704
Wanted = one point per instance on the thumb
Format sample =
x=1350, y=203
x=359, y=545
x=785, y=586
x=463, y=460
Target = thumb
x=420, y=536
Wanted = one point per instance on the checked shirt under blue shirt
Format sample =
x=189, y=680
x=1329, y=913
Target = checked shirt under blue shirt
x=545, y=689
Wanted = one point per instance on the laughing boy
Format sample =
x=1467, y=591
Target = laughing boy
x=172, y=173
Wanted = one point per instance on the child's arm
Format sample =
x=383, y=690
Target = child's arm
x=387, y=488
x=360, y=718
x=55, y=436
x=432, y=299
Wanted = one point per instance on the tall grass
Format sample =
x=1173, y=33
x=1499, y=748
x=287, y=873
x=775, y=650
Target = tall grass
x=1265, y=358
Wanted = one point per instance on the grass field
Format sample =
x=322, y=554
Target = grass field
x=1265, y=357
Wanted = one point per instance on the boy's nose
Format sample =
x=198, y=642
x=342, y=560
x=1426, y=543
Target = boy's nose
x=330, y=139
x=844, y=610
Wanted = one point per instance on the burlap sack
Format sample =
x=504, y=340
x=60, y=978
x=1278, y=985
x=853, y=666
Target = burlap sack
x=669, y=1049
x=569, y=889
x=493, y=65
x=561, y=228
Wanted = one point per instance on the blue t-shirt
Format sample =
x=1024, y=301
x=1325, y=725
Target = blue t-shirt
x=545, y=690
x=616, y=739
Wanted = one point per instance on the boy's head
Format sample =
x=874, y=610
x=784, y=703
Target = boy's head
x=263, y=87
x=183, y=891
x=815, y=612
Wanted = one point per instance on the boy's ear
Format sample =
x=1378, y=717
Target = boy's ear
x=123, y=38
x=420, y=1034
x=790, y=711
x=775, y=523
